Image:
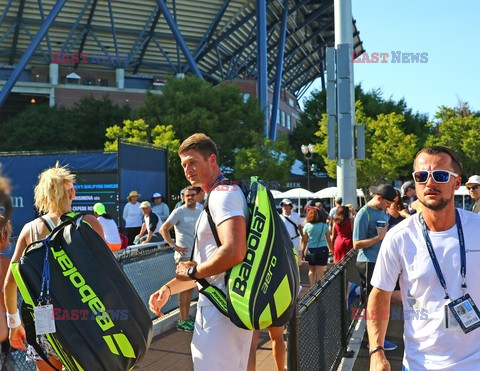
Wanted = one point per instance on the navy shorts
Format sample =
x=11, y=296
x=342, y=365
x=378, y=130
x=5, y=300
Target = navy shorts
x=317, y=256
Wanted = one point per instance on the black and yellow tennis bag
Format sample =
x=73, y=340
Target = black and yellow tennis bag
x=262, y=290
x=101, y=322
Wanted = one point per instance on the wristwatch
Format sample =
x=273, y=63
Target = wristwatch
x=192, y=271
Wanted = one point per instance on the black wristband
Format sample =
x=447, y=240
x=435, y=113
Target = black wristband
x=376, y=349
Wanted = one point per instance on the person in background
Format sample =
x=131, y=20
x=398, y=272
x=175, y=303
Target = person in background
x=293, y=224
x=396, y=211
x=333, y=211
x=132, y=216
x=317, y=241
x=342, y=233
x=110, y=228
x=182, y=199
x=160, y=208
x=200, y=198
x=410, y=195
x=183, y=220
x=473, y=187
x=151, y=225
x=352, y=210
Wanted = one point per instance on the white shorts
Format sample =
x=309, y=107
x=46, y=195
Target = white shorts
x=218, y=344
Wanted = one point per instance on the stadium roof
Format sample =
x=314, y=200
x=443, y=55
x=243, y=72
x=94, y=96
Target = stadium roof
x=134, y=34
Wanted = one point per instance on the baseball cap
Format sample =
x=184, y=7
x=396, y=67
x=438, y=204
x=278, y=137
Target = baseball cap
x=156, y=195
x=99, y=208
x=474, y=179
x=182, y=191
x=145, y=204
x=285, y=201
x=384, y=190
x=406, y=186
x=339, y=199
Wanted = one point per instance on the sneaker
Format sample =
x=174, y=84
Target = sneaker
x=184, y=326
x=191, y=321
x=389, y=346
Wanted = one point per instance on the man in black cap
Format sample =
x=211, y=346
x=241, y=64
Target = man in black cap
x=410, y=196
x=369, y=229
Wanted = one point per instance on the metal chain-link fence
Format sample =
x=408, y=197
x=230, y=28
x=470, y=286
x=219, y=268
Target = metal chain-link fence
x=318, y=334
x=147, y=268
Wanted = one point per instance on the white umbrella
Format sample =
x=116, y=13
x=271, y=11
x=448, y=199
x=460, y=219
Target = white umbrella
x=462, y=191
x=297, y=193
x=331, y=192
x=276, y=194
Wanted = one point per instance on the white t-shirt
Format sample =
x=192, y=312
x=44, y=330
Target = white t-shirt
x=110, y=230
x=224, y=202
x=132, y=214
x=295, y=218
x=404, y=254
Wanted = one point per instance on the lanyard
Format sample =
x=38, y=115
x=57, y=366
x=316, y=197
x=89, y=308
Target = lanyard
x=45, y=275
x=463, y=259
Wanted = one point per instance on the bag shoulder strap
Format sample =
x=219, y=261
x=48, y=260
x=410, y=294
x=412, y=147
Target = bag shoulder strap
x=31, y=335
x=48, y=223
x=292, y=223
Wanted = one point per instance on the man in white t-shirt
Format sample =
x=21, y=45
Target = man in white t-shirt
x=433, y=338
x=217, y=343
x=293, y=223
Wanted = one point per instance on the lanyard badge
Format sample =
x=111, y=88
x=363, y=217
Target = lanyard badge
x=462, y=311
x=44, y=316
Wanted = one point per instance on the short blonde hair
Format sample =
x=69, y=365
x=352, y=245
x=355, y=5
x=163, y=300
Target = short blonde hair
x=51, y=193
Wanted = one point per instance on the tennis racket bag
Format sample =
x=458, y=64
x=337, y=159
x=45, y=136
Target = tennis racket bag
x=101, y=322
x=262, y=290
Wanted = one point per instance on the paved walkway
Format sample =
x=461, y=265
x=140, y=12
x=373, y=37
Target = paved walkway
x=171, y=350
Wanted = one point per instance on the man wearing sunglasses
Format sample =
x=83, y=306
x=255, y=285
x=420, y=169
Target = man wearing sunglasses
x=435, y=255
x=473, y=187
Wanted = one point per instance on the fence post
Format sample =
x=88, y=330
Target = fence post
x=293, y=359
x=344, y=309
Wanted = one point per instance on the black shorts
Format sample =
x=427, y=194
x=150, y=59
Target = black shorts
x=317, y=256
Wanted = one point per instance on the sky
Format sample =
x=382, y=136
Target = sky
x=448, y=31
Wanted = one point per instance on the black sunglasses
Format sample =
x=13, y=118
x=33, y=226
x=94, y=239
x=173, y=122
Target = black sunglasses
x=474, y=188
x=439, y=176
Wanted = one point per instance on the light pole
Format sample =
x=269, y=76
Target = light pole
x=308, y=154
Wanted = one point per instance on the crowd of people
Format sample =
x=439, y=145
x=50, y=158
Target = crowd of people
x=413, y=247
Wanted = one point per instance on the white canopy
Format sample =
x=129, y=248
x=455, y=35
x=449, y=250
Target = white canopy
x=331, y=192
x=276, y=194
x=462, y=191
x=296, y=193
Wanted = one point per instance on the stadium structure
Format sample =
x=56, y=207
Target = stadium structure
x=57, y=51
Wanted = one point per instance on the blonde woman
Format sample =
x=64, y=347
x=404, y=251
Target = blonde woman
x=53, y=197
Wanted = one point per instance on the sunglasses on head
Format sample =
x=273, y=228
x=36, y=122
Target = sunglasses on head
x=439, y=176
x=474, y=188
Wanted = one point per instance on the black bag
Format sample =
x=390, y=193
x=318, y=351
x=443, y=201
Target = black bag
x=101, y=322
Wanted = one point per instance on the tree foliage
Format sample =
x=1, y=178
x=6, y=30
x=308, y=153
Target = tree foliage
x=160, y=135
x=389, y=151
x=271, y=160
x=82, y=127
x=192, y=105
x=459, y=129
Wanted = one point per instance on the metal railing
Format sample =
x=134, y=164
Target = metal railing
x=318, y=334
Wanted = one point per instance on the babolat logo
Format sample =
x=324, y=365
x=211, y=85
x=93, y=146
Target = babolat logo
x=268, y=277
x=87, y=295
x=256, y=228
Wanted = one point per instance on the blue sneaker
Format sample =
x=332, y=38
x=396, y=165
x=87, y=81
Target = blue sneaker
x=184, y=326
x=389, y=346
x=191, y=321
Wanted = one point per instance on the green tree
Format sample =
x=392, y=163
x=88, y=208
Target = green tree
x=192, y=105
x=388, y=149
x=271, y=160
x=373, y=105
x=459, y=128
x=161, y=135
x=82, y=127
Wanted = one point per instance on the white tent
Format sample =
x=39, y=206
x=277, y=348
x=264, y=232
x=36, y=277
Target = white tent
x=462, y=191
x=276, y=194
x=331, y=192
x=297, y=193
